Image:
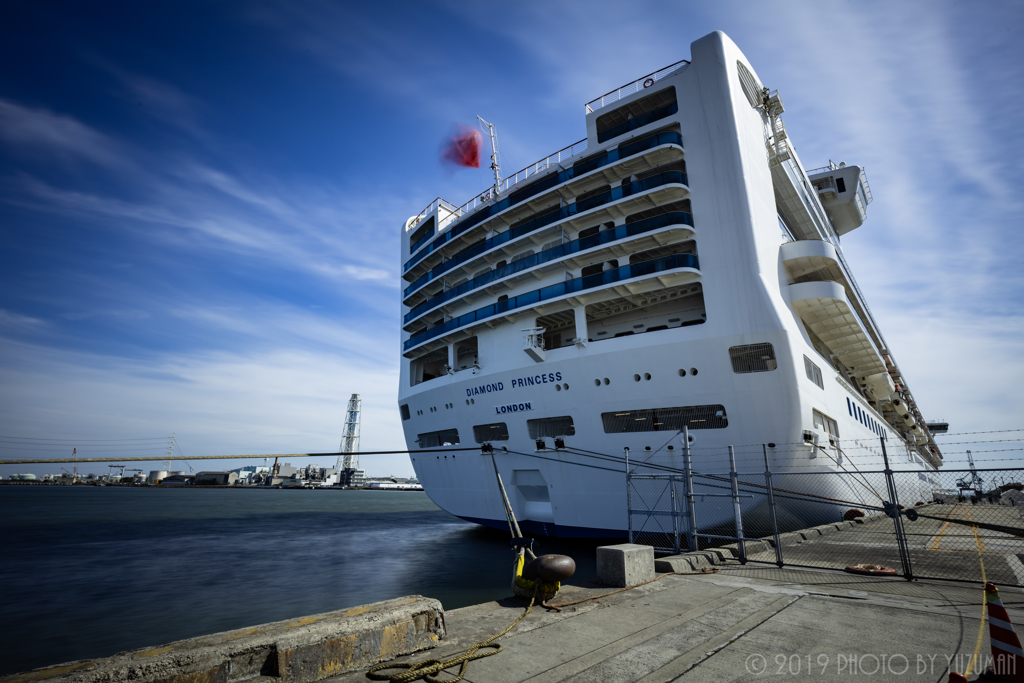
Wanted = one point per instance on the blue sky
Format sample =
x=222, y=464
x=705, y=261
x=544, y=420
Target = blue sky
x=200, y=203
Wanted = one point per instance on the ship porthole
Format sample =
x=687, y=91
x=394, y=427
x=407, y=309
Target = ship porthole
x=693, y=371
x=606, y=382
x=467, y=401
x=597, y=382
x=558, y=387
x=566, y=387
x=636, y=378
x=647, y=375
x=682, y=372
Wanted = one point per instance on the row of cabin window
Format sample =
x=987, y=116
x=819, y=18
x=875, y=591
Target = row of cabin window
x=671, y=419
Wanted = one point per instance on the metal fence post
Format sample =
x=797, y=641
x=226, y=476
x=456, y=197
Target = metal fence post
x=675, y=513
x=691, y=512
x=629, y=498
x=771, y=507
x=737, y=511
x=897, y=516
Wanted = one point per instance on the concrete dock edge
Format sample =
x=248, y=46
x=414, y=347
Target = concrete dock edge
x=295, y=651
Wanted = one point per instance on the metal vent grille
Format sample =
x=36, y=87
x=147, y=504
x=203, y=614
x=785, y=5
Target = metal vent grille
x=665, y=419
x=497, y=431
x=753, y=358
x=444, y=437
x=551, y=426
x=751, y=88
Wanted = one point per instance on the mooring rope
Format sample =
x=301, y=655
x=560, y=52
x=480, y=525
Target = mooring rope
x=429, y=668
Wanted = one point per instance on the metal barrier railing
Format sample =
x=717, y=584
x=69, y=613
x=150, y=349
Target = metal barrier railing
x=923, y=524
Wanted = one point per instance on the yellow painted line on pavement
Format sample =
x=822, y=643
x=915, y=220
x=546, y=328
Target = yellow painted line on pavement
x=984, y=598
x=942, y=531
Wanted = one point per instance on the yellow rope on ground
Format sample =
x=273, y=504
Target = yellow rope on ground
x=984, y=598
x=428, y=668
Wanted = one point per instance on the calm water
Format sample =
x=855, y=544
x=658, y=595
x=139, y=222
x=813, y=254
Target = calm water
x=90, y=571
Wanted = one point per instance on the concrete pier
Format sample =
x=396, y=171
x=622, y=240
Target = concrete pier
x=739, y=623
x=300, y=650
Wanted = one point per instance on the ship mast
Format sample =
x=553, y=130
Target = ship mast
x=495, y=166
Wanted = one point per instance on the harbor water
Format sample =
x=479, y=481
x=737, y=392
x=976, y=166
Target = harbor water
x=91, y=571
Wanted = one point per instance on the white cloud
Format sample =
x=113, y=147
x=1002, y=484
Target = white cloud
x=37, y=130
x=288, y=400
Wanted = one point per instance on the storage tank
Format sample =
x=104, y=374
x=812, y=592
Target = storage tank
x=157, y=475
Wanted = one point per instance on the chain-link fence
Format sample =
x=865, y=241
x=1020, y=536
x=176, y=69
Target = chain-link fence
x=965, y=525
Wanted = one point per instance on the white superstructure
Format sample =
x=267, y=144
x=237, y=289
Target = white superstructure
x=677, y=267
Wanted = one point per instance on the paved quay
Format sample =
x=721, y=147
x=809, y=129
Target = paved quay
x=740, y=622
x=745, y=623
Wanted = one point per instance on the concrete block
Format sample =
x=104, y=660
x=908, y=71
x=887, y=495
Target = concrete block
x=687, y=562
x=825, y=529
x=733, y=550
x=809, y=534
x=297, y=651
x=792, y=538
x=626, y=564
x=675, y=563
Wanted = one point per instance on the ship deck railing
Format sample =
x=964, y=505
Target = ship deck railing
x=645, y=146
x=558, y=290
x=636, y=86
x=507, y=183
x=555, y=254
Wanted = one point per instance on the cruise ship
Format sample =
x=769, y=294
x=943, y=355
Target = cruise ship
x=678, y=267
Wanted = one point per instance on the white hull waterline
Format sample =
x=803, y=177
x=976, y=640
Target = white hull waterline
x=679, y=267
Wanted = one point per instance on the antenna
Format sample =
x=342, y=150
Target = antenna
x=495, y=166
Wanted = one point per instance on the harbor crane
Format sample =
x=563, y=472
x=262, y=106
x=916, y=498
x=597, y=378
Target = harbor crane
x=974, y=480
x=348, y=461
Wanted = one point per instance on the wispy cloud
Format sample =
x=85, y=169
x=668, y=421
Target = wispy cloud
x=283, y=401
x=40, y=131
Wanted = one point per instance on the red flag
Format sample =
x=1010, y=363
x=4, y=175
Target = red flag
x=463, y=149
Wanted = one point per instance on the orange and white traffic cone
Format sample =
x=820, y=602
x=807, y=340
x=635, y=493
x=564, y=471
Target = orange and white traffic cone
x=1007, y=655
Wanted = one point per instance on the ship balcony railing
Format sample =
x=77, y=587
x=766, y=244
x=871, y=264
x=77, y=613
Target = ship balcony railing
x=625, y=276
x=436, y=205
x=638, y=85
x=569, y=181
x=526, y=266
x=601, y=215
x=638, y=122
x=545, y=219
x=530, y=171
x=825, y=186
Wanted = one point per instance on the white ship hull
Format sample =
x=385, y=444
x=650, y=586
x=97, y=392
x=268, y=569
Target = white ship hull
x=765, y=339
x=587, y=495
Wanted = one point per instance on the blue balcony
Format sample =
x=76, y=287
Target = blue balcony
x=555, y=291
x=555, y=253
x=547, y=219
x=638, y=122
x=421, y=241
x=551, y=181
